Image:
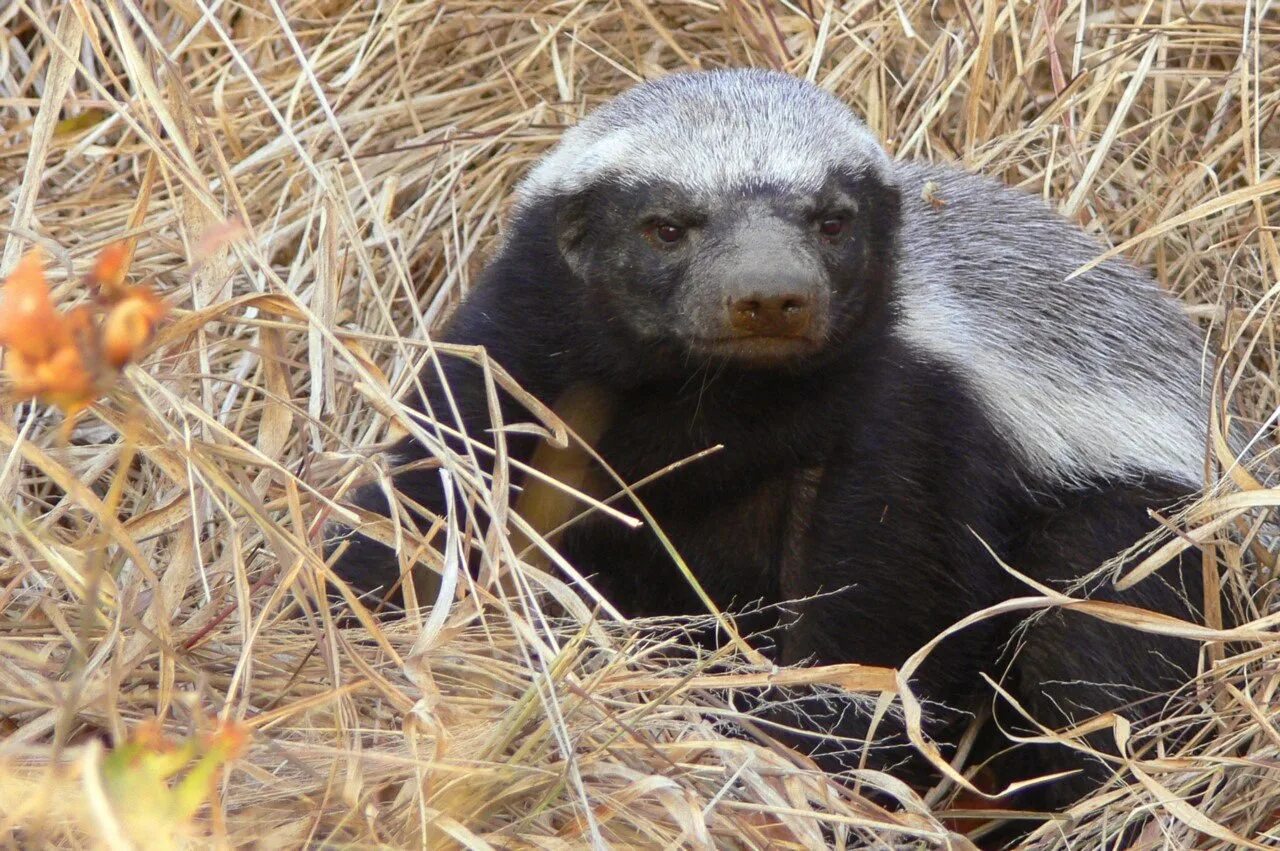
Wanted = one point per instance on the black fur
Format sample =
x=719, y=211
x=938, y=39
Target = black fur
x=863, y=472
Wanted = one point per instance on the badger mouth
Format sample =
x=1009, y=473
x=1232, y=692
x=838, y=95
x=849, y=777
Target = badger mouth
x=758, y=349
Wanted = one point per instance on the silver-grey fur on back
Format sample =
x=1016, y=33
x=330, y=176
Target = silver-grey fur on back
x=1097, y=376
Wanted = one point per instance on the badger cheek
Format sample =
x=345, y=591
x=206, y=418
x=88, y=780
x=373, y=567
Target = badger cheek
x=632, y=314
x=699, y=313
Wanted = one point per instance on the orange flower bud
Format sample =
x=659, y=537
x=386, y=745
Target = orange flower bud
x=130, y=325
x=66, y=381
x=230, y=737
x=23, y=372
x=28, y=323
x=61, y=358
x=62, y=379
x=108, y=273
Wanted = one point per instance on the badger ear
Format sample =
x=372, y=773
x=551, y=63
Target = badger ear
x=571, y=218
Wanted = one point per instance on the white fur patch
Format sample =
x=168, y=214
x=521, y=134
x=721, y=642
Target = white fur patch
x=1095, y=376
x=711, y=133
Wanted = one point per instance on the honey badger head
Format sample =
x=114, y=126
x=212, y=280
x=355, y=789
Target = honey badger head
x=741, y=215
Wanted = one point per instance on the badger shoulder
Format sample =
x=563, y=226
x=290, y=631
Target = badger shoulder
x=1092, y=376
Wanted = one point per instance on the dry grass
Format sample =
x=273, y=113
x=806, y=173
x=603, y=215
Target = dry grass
x=369, y=149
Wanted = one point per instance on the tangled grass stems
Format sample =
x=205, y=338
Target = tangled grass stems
x=165, y=562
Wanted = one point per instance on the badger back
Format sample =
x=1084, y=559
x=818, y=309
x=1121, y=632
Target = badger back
x=1096, y=376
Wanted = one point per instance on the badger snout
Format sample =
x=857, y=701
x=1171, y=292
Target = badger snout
x=772, y=305
x=786, y=314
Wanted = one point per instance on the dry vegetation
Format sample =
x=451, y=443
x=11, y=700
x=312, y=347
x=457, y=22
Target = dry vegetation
x=164, y=560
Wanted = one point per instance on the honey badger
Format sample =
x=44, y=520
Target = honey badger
x=908, y=384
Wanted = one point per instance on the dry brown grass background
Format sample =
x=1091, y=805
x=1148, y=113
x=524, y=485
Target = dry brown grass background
x=369, y=148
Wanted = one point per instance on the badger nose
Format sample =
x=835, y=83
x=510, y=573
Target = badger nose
x=782, y=315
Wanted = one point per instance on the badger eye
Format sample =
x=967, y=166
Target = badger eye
x=831, y=227
x=668, y=233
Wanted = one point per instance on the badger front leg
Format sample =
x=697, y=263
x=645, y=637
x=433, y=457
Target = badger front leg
x=462, y=426
x=462, y=419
